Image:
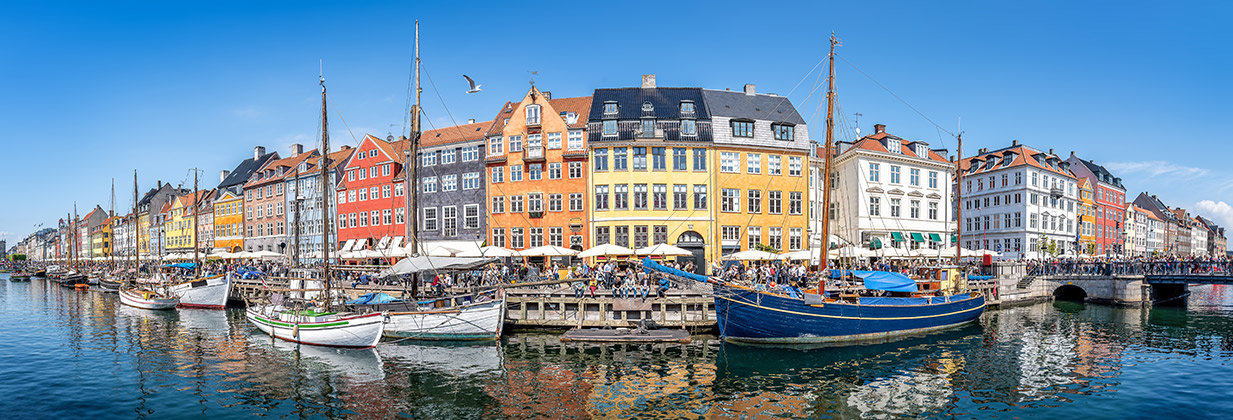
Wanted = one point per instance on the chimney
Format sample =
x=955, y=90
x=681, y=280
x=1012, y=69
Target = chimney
x=160, y=184
x=1014, y=143
x=1050, y=151
x=1072, y=153
x=547, y=95
x=881, y=128
x=222, y=175
x=648, y=81
x=472, y=120
x=296, y=149
x=257, y=152
x=346, y=147
x=749, y=88
x=982, y=151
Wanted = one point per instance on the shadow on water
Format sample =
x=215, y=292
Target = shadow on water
x=1069, y=307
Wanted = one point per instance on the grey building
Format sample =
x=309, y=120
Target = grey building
x=452, y=158
x=304, y=203
x=149, y=234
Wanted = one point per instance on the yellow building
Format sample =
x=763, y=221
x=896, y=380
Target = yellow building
x=229, y=222
x=649, y=169
x=759, y=171
x=179, y=229
x=1087, y=217
x=101, y=239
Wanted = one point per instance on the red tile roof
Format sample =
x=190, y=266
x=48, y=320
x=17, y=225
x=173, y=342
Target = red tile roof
x=1023, y=156
x=579, y=105
x=498, y=123
x=455, y=134
x=873, y=143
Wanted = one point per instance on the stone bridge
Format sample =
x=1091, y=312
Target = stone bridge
x=1017, y=283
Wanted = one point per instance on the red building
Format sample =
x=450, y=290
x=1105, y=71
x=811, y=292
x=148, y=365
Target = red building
x=1110, y=197
x=371, y=197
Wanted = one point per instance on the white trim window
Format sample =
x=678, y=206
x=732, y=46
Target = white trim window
x=554, y=140
x=498, y=174
x=575, y=140
x=471, y=181
x=727, y=161
x=429, y=185
x=495, y=145
x=448, y=156
x=429, y=218
x=449, y=183
x=533, y=114
x=470, y=216
x=470, y=153
x=753, y=163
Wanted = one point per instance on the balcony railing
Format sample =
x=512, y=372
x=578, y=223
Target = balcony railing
x=532, y=153
x=1056, y=192
x=535, y=214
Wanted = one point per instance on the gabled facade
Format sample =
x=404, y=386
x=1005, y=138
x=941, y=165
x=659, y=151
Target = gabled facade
x=1169, y=223
x=304, y=203
x=149, y=240
x=233, y=182
x=758, y=162
x=892, y=192
x=1110, y=199
x=179, y=229
x=537, y=183
x=228, y=221
x=1019, y=201
x=1087, y=218
x=650, y=154
x=371, y=195
x=205, y=222
x=90, y=233
x=453, y=156
x=265, y=200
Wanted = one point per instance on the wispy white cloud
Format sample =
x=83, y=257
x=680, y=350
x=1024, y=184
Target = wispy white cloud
x=1154, y=168
x=1219, y=211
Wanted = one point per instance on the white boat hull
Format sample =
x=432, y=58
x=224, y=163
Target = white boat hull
x=476, y=321
x=207, y=293
x=343, y=330
x=146, y=300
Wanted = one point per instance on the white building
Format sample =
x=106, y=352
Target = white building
x=1135, y=231
x=1019, y=201
x=889, y=192
x=1198, y=237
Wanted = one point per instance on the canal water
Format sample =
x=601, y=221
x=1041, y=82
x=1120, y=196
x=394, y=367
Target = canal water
x=70, y=354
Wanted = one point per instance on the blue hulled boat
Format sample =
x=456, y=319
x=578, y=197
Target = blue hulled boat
x=758, y=316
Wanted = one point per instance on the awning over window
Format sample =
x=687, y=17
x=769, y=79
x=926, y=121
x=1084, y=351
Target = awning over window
x=935, y=237
x=917, y=237
x=875, y=243
x=896, y=237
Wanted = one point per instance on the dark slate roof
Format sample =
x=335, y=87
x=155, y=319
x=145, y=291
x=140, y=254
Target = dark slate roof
x=726, y=103
x=1159, y=207
x=245, y=169
x=1102, y=174
x=666, y=101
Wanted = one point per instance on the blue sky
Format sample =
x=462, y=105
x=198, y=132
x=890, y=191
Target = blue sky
x=94, y=90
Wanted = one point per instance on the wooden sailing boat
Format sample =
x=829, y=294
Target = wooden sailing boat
x=760, y=316
x=209, y=292
x=110, y=280
x=471, y=317
x=145, y=295
x=315, y=322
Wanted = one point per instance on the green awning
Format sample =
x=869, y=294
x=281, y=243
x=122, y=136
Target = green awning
x=896, y=237
x=917, y=237
x=875, y=243
x=935, y=237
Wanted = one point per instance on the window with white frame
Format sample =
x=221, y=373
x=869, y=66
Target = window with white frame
x=894, y=174
x=535, y=141
x=575, y=202
x=427, y=159
x=400, y=215
x=620, y=197
x=498, y=237
x=753, y=163
x=496, y=144
x=601, y=197
x=471, y=181
x=554, y=170
x=498, y=204
x=774, y=165
x=727, y=161
x=470, y=214
x=515, y=143
x=449, y=183
x=535, y=202
x=535, y=172
x=794, y=166
x=753, y=236
x=448, y=156
x=515, y=173
x=449, y=221
x=730, y=200
x=515, y=204
x=875, y=206
x=575, y=170
x=429, y=184
x=498, y=174
x=575, y=140
x=470, y=153
x=554, y=202
x=533, y=114
x=554, y=140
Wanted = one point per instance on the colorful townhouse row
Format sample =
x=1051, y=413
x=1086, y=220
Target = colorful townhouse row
x=711, y=171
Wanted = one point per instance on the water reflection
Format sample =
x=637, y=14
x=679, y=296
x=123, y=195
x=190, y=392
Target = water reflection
x=90, y=356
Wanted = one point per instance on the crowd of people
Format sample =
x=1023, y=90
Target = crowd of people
x=1114, y=265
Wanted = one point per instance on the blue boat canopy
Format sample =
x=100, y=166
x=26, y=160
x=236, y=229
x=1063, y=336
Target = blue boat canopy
x=649, y=264
x=373, y=298
x=189, y=266
x=881, y=280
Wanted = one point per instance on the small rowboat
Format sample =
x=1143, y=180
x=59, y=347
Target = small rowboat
x=146, y=299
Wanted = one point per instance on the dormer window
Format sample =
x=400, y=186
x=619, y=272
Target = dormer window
x=687, y=108
x=742, y=128
x=610, y=108
x=922, y=151
x=571, y=117
x=648, y=128
x=303, y=167
x=647, y=107
x=533, y=113
x=893, y=146
x=784, y=132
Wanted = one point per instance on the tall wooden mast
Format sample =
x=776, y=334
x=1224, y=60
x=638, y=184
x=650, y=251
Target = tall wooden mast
x=136, y=231
x=112, y=222
x=411, y=218
x=325, y=195
x=826, y=171
x=959, y=200
x=193, y=234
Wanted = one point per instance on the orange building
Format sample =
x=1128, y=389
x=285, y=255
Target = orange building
x=536, y=162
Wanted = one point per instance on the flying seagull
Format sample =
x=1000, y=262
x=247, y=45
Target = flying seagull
x=474, y=87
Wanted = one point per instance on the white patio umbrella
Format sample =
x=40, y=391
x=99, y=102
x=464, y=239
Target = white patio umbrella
x=267, y=254
x=443, y=251
x=754, y=255
x=246, y=255
x=491, y=251
x=606, y=250
x=663, y=250
x=548, y=251
x=799, y=255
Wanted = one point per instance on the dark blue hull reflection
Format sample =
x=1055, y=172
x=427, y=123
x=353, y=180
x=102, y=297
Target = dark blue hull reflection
x=751, y=316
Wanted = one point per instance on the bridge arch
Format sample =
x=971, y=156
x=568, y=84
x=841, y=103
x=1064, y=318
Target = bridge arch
x=1070, y=292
